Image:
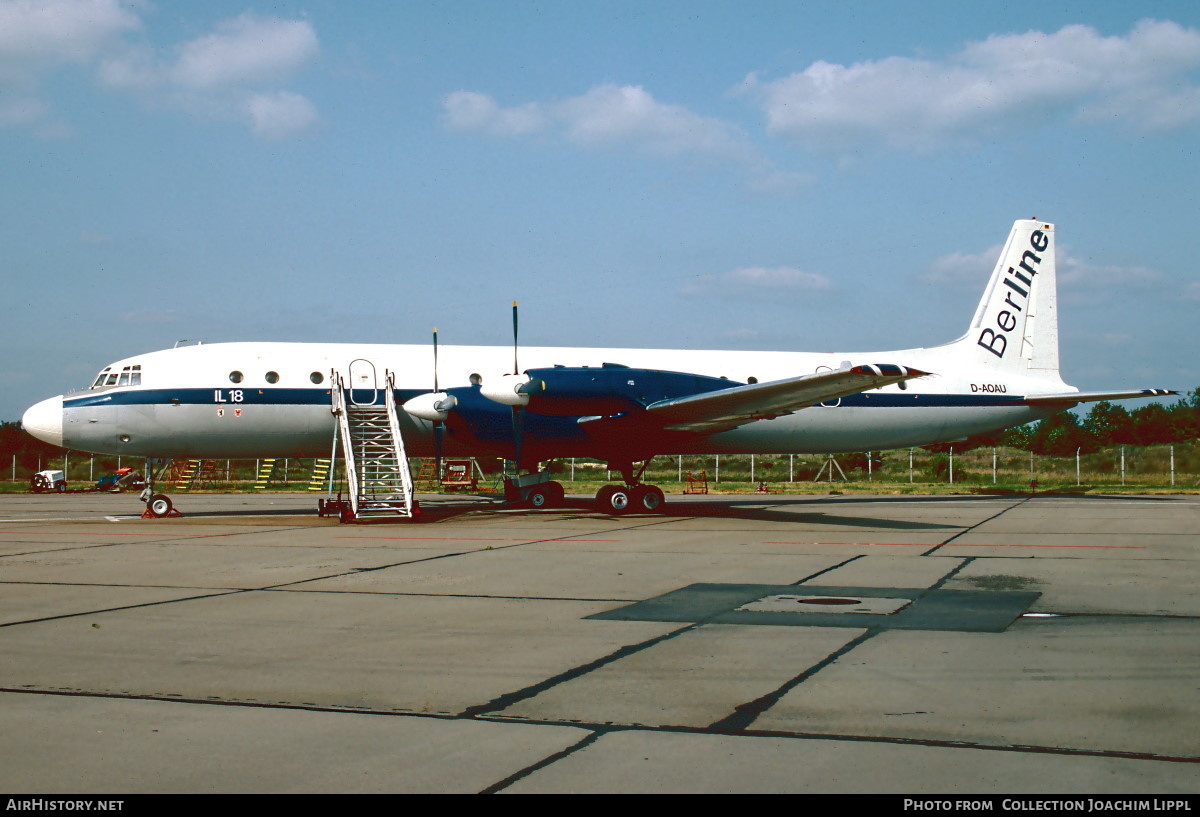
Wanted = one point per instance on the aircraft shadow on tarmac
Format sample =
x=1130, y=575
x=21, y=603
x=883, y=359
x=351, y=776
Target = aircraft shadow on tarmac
x=749, y=507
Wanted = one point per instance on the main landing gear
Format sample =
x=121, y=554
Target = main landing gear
x=638, y=498
x=632, y=497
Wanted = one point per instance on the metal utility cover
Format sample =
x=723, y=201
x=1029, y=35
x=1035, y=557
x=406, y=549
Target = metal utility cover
x=914, y=608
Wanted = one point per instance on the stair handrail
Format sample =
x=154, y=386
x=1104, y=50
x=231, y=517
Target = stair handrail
x=406, y=480
x=339, y=409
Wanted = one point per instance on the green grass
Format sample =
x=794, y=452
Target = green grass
x=1147, y=470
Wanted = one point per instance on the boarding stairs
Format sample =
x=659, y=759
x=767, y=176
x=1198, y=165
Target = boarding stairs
x=377, y=473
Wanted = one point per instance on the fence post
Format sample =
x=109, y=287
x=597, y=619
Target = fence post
x=993, y=465
x=1172, y=465
x=951, y=465
x=1122, y=465
x=752, y=468
x=679, y=474
x=1076, y=466
x=717, y=477
x=910, y=465
x=791, y=468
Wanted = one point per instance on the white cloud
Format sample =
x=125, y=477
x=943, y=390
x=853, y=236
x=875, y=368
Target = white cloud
x=619, y=116
x=1006, y=82
x=280, y=115
x=962, y=270
x=467, y=110
x=18, y=112
x=758, y=283
x=35, y=34
x=233, y=72
x=606, y=115
x=1077, y=279
x=245, y=50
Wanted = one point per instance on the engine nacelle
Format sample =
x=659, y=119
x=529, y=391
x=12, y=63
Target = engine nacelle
x=511, y=389
x=432, y=406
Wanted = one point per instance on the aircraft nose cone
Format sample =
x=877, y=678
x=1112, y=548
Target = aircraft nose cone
x=44, y=420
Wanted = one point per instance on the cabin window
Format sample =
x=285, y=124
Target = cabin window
x=476, y=380
x=135, y=375
x=272, y=377
x=752, y=380
x=112, y=379
x=317, y=377
x=124, y=377
x=100, y=379
x=235, y=377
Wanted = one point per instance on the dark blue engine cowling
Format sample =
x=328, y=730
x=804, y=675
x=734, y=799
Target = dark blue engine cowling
x=585, y=391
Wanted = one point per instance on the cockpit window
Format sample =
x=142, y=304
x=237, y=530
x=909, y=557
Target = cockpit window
x=128, y=376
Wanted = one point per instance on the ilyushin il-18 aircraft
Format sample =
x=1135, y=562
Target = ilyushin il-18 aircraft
x=620, y=406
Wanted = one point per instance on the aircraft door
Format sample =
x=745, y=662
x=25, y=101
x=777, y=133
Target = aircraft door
x=364, y=386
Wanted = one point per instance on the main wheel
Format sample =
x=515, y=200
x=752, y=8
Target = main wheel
x=648, y=499
x=160, y=505
x=614, y=499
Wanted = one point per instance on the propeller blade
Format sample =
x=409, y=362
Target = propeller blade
x=516, y=368
x=518, y=419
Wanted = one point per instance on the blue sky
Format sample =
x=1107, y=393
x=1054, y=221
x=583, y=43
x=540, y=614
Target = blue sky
x=749, y=175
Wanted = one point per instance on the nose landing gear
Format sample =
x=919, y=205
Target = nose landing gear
x=158, y=506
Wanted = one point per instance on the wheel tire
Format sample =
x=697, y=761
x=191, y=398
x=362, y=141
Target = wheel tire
x=160, y=505
x=648, y=499
x=557, y=493
x=539, y=498
x=346, y=516
x=60, y=486
x=615, y=499
x=602, y=498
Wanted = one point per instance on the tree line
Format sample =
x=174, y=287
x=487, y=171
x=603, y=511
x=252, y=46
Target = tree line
x=1060, y=435
x=1105, y=425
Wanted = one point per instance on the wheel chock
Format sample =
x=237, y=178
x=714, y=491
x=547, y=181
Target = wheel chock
x=171, y=514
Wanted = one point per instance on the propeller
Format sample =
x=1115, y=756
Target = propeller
x=433, y=406
x=439, y=427
x=518, y=411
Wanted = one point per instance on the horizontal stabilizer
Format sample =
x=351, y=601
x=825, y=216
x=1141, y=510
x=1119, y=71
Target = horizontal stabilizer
x=729, y=408
x=1093, y=396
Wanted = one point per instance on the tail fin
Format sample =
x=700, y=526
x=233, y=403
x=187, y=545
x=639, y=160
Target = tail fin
x=1015, y=328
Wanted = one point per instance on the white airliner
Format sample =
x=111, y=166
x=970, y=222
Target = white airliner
x=241, y=400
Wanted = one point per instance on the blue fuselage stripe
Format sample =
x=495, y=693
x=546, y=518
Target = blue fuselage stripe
x=321, y=397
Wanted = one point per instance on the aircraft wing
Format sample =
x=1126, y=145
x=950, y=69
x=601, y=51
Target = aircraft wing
x=729, y=408
x=1069, y=398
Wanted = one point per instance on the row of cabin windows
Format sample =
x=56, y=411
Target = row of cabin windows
x=273, y=377
x=128, y=376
